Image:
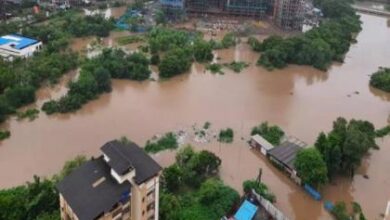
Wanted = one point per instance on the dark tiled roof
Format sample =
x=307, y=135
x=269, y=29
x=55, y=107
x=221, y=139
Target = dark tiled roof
x=285, y=153
x=85, y=196
x=130, y=156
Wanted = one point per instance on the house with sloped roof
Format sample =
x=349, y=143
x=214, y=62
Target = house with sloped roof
x=123, y=183
x=284, y=156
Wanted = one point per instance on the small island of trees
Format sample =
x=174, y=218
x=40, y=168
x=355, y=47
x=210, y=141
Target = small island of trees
x=95, y=78
x=340, y=152
x=318, y=47
x=381, y=79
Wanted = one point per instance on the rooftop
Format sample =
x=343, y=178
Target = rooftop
x=17, y=42
x=246, y=212
x=90, y=190
x=263, y=142
x=124, y=157
x=286, y=153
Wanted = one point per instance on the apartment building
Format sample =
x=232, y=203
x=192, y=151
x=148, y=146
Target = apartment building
x=123, y=183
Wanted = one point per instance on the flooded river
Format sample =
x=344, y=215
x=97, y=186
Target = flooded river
x=302, y=100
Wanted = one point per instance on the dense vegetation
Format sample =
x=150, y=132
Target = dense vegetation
x=4, y=135
x=226, y=135
x=129, y=39
x=36, y=200
x=95, y=78
x=344, y=147
x=178, y=50
x=272, y=134
x=318, y=47
x=20, y=79
x=215, y=68
x=229, y=40
x=31, y=114
x=381, y=79
x=383, y=131
x=311, y=167
x=260, y=189
x=191, y=191
x=340, y=152
x=237, y=66
x=168, y=141
x=340, y=212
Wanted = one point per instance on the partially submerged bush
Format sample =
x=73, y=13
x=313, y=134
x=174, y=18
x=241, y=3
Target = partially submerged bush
x=168, y=141
x=226, y=136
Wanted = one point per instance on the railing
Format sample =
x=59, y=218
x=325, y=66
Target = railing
x=270, y=208
x=371, y=11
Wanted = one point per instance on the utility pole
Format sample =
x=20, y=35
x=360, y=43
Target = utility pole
x=258, y=179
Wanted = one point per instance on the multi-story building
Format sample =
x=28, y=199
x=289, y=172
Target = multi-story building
x=123, y=183
x=289, y=14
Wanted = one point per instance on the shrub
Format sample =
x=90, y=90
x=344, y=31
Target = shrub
x=215, y=68
x=168, y=141
x=4, y=135
x=272, y=134
x=31, y=114
x=260, y=188
x=381, y=79
x=226, y=136
x=237, y=66
x=175, y=62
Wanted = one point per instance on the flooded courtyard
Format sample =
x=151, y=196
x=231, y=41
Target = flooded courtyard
x=301, y=100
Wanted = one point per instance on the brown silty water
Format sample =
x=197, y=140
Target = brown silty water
x=300, y=99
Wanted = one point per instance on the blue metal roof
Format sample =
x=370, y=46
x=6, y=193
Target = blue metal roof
x=246, y=212
x=20, y=42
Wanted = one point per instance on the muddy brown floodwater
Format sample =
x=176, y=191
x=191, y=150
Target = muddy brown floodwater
x=302, y=100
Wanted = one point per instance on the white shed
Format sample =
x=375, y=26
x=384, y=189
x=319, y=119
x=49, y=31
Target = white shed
x=260, y=143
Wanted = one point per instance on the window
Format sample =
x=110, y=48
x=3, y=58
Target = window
x=150, y=206
x=150, y=192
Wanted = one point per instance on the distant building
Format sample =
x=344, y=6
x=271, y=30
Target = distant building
x=123, y=183
x=12, y=46
x=259, y=143
x=289, y=14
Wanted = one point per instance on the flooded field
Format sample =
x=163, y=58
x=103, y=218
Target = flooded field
x=302, y=100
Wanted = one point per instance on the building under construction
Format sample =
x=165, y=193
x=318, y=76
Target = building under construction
x=286, y=13
x=289, y=14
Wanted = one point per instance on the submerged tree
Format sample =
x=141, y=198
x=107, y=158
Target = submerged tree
x=311, y=167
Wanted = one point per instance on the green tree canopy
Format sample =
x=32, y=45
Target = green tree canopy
x=311, y=167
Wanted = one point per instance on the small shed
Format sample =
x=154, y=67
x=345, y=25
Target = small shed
x=258, y=142
x=246, y=212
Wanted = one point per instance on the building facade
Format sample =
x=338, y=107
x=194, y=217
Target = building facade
x=289, y=14
x=123, y=183
x=13, y=46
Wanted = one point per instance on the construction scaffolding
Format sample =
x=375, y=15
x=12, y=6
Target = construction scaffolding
x=174, y=9
x=256, y=8
x=205, y=6
x=289, y=14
